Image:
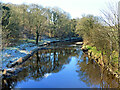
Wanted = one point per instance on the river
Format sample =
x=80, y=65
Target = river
x=62, y=66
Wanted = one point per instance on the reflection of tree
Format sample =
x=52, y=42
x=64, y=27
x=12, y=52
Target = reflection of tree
x=53, y=60
x=43, y=62
x=94, y=76
x=89, y=73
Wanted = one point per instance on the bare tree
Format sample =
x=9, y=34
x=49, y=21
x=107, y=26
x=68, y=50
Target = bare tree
x=119, y=38
x=111, y=17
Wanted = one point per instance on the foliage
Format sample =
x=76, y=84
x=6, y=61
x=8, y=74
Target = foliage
x=34, y=22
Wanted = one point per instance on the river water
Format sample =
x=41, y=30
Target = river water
x=62, y=66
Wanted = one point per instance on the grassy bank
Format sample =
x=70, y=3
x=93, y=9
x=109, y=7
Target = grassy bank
x=109, y=62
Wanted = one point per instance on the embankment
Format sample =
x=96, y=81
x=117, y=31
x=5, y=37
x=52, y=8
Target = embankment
x=102, y=59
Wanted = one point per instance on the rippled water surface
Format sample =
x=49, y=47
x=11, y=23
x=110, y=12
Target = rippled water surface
x=62, y=66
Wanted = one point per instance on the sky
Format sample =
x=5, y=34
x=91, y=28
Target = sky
x=76, y=8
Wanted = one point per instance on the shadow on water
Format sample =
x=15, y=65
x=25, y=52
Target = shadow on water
x=45, y=62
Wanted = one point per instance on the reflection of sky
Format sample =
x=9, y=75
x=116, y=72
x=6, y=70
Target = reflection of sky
x=71, y=72
x=75, y=7
x=66, y=78
x=47, y=74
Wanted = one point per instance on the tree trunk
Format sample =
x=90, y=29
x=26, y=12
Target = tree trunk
x=111, y=50
x=37, y=38
x=119, y=41
x=40, y=37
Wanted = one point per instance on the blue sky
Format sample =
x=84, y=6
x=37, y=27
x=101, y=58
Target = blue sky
x=75, y=7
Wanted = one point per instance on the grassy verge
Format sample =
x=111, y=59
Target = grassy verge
x=102, y=58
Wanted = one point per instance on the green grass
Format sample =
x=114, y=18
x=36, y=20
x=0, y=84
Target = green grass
x=93, y=49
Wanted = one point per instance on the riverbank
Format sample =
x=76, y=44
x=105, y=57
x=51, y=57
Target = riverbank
x=63, y=62
x=102, y=59
x=16, y=55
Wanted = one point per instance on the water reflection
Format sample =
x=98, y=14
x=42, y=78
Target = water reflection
x=46, y=62
x=41, y=65
x=94, y=76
